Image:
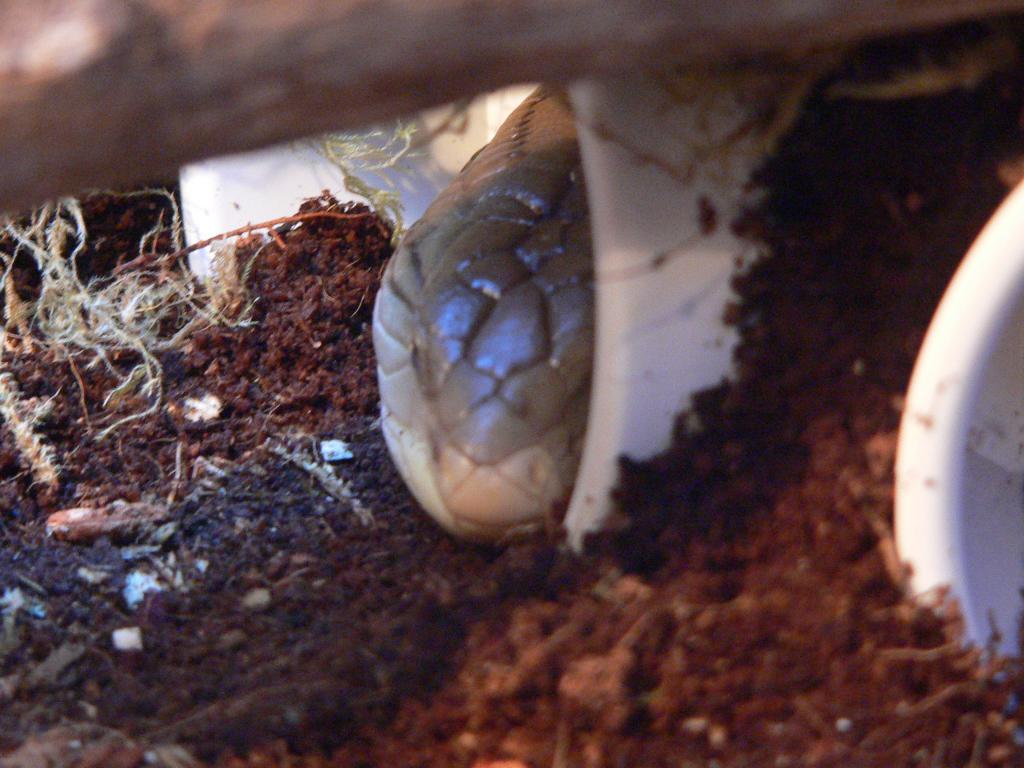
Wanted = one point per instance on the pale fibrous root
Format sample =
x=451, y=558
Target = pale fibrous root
x=21, y=417
x=225, y=285
x=141, y=313
x=366, y=161
x=374, y=163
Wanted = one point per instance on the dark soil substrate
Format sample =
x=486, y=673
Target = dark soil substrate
x=751, y=615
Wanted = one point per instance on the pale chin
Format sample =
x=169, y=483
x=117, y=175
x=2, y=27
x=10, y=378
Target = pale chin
x=483, y=503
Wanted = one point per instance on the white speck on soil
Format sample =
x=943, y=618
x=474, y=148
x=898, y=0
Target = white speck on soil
x=205, y=408
x=335, y=450
x=137, y=584
x=127, y=639
x=256, y=599
x=91, y=575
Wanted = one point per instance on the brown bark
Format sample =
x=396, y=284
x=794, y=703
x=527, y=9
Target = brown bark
x=106, y=92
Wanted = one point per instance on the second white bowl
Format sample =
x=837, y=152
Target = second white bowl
x=960, y=461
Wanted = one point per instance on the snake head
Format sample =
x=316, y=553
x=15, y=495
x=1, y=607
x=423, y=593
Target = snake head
x=483, y=329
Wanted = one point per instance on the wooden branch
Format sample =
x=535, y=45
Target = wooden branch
x=97, y=93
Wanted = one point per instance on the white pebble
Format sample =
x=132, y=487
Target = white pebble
x=136, y=585
x=127, y=639
x=256, y=599
x=205, y=408
x=695, y=725
x=91, y=575
x=12, y=600
x=335, y=450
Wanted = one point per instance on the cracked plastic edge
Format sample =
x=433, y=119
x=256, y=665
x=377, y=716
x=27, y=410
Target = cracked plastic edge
x=661, y=208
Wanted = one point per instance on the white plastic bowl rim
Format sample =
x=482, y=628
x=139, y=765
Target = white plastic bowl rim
x=963, y=408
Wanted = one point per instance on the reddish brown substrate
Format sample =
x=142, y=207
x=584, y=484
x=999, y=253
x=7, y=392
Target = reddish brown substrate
x=752, y=615
x=769, y=627
x=359, y=616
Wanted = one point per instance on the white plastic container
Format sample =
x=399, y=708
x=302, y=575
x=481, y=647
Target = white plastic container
x=662, y=263
x=225, y=193
x=667, y=170
x=960, y=461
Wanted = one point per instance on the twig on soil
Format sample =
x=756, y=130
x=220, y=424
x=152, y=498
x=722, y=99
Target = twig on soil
x=41, y=457
x=172, y=756
x=148, y=259
x=49, y=669
x=937, y=699
x=978, y=748
x=810, y=714
x=117, y=519
x=895, y=568
x=563, y=743
x=81, y=390
x=906, y=715
x=93, y=745
x=919, y=654
x=179, y=454
x=258, y=700
x=34, y=586
x=323, y=474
